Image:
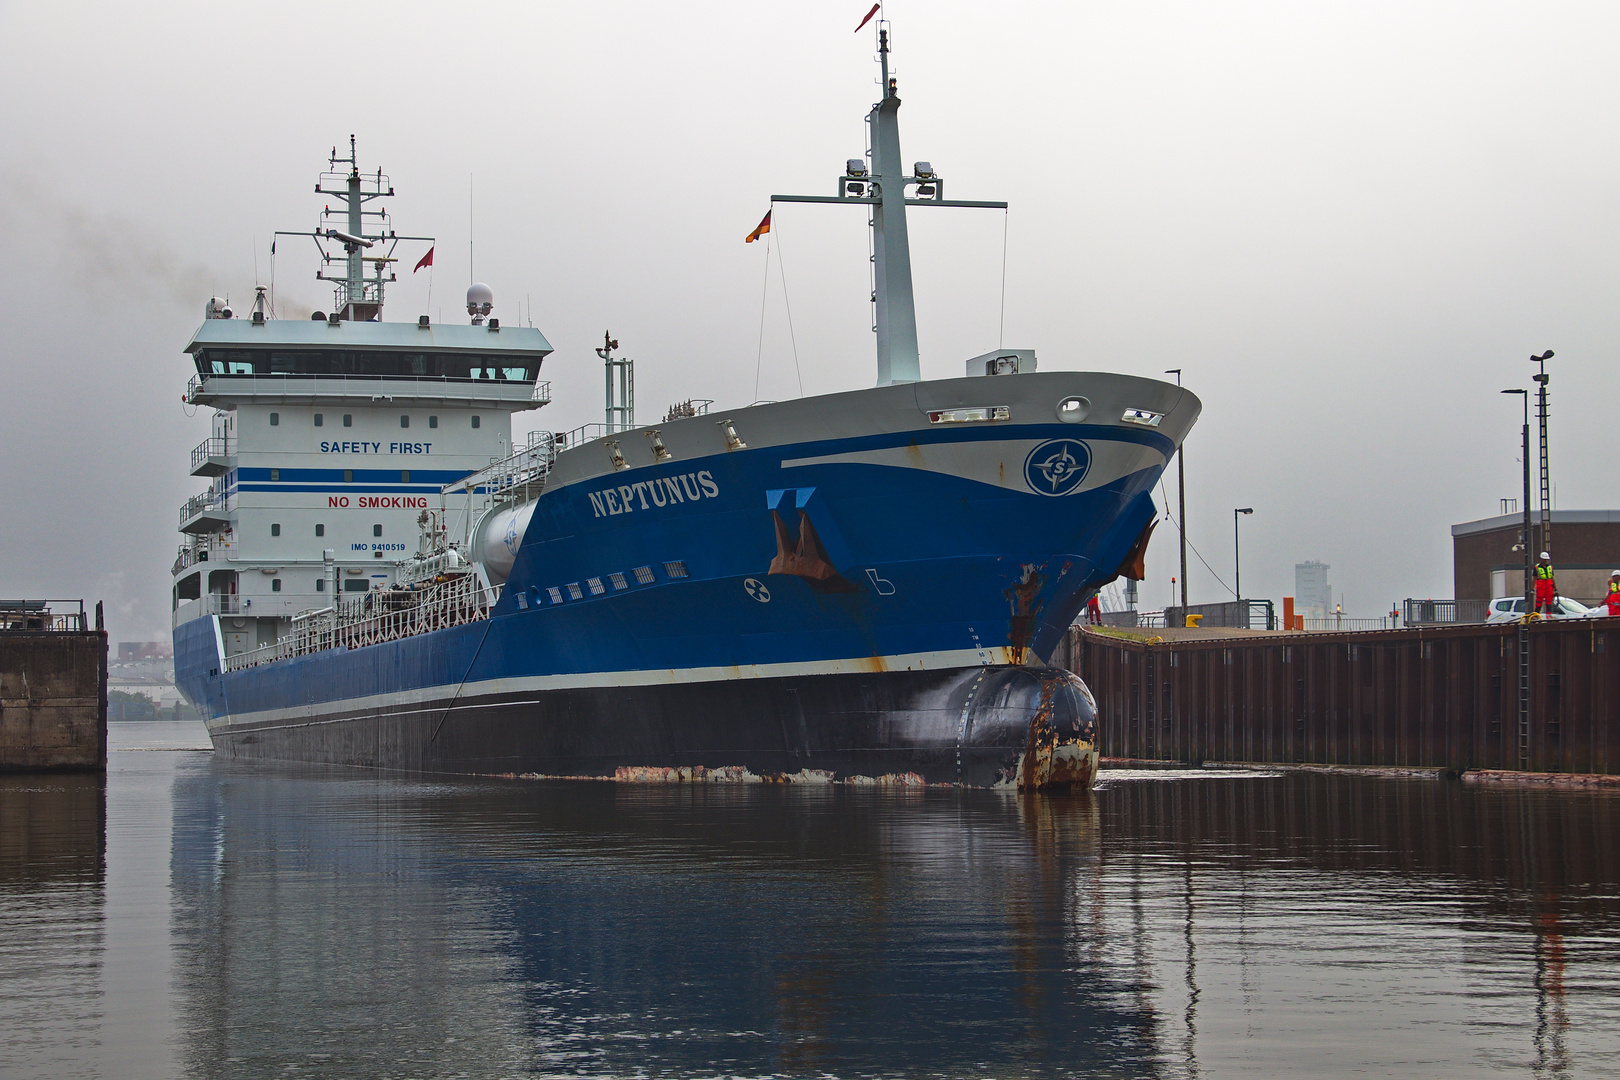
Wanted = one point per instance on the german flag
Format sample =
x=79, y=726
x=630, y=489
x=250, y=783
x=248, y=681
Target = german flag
x=763, y=228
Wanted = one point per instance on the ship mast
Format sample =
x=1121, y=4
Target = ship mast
x=884, y=186
x=356, y=297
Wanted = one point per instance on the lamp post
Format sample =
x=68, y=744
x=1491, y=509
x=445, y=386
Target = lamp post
x=1237, y=560
x=1181, y=485
x=1544, y=541
x=1525, y=539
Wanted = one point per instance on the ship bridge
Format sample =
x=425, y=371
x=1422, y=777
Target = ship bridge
x=281, y=360
x=332, y=437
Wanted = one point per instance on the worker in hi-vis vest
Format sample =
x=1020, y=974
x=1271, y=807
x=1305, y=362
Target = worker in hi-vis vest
x=1546, y=586
x=1613, y=598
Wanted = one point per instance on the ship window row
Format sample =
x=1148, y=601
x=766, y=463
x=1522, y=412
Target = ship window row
x=375, y=363
x=320, y=529
x=348, y=420
x=617, y=581
x=349, y=584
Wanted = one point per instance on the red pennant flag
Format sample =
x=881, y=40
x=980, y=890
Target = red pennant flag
x=868, y=18
x=764, y=227
x=426, y=260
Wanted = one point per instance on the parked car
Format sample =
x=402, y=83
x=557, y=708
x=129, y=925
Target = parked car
x=1511, y=608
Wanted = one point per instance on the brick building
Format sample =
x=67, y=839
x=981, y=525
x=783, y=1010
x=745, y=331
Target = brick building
x=1585, y=550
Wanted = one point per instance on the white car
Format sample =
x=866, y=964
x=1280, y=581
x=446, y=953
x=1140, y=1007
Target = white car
x=1511, y=608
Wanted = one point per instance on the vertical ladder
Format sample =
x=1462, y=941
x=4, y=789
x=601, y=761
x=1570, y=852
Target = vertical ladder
x=1524, y=696
x=1150, y=689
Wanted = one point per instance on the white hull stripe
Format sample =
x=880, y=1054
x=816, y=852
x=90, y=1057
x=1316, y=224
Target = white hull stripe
x=401, y=703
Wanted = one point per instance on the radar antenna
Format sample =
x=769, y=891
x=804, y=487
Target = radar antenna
x=356, y=297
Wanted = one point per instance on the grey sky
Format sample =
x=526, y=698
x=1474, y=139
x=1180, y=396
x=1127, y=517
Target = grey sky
x=1349, y=224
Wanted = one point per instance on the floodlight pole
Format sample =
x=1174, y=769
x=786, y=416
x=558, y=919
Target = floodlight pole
x=1181, y=485
x=1542, y=378
x=1237, y=559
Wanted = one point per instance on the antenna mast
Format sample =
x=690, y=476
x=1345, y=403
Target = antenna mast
x=355, y=296
x=883, y=186
x=621, y=413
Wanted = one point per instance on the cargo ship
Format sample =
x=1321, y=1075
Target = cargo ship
x=855, y=587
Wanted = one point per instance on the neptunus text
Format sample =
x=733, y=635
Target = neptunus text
x=651, y=494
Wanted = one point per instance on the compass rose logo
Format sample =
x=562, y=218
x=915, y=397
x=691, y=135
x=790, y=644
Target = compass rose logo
x=1057, y=467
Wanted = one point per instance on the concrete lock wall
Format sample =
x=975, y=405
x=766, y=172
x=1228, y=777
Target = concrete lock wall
x=53, y=700
x=1429, y=697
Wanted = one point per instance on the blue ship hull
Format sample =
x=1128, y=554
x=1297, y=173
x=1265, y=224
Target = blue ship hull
x=875, y=602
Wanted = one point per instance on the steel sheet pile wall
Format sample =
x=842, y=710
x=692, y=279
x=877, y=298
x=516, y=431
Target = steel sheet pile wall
x=1445, y=697
x=53, y=700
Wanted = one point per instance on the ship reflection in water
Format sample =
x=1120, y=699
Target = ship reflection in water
x=336, y=923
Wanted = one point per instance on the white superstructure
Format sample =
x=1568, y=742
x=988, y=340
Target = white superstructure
x=331, y=436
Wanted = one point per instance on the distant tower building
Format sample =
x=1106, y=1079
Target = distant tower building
x=1312, y=597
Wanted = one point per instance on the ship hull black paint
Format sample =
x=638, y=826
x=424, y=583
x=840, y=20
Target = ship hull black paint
x=964, y=725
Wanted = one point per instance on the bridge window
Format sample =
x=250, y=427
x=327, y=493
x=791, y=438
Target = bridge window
x=366, y=363
x=320, y=584
x=275, y=584
x=358, y=584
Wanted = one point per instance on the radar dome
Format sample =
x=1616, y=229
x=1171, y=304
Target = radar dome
x=480, y=300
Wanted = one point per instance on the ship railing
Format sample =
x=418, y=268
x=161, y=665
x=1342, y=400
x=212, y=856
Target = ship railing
x=207, y=604
x=208, y=500
x=379, y=616
x=355, y=385
x=586, y=433
x=516, y=475
x=201, y=550
x=212, y=448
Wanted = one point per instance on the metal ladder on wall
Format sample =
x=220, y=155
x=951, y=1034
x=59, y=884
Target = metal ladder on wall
x=1524, y=696
x=1150, y=686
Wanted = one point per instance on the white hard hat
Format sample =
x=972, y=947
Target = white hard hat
x=1544, y=555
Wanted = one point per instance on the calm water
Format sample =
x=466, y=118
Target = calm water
x=191, y=918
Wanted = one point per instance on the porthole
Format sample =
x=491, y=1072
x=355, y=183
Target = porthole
x=1072, y=410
